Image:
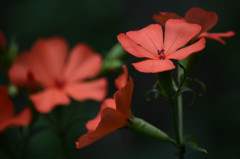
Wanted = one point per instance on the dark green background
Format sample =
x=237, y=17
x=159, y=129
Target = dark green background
x=214, y=118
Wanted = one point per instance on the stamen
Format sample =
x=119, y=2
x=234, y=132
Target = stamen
x=161, y=54
x=59, y=84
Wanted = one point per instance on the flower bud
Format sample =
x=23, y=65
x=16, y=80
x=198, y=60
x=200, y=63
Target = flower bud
x=146, y=129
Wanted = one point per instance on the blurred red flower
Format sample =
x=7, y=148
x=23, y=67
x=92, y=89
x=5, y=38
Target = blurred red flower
x=7, y=117
x=114, y=113
x=148, y=43
x=2, y=40
x=47, y=65
x=207, y=20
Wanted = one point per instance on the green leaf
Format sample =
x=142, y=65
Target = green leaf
x=154, y=90
x=192, y=143
x=187, y=89
x=197, y=81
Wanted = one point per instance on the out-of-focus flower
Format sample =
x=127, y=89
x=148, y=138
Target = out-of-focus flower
x=7, y=117
x=48, y=66
x=114, y=113
x=148, y=43
x=163, y=17
x=207, y=20
x=2, y=40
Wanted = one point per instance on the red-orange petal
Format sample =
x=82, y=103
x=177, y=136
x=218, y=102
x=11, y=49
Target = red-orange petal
x=107, y=103
x=162, y=17
x=133, y=48
x=207, y=20
x=121, y=81
x=6, y=105
x=95, y=90
x=83, y=63
x=123, y=98
x=48, y=99
x=110, y=122
x=178, y=33
x=185, y=52
x=150, y=38
x=217, y=36
x=27, y=64
x=51, y=54
x=154, y=66
x=21, y=119
x=7, y=118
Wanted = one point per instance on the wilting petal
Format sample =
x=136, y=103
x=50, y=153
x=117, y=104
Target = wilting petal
x=92, y=124
x=46, y=100
x=96, y=90
x=21, y=119
x=154, y=66
x=110, y=122
x=207, y=20
x=6, y=105
x=185, y=52
x=133, y=48
x=217, y=36
x=150, y=37
x=25, y=65
x=51, y=54
x=121, y=81
x=178, y=33
x=82, y=63
x=123, y=98
x=162, y=17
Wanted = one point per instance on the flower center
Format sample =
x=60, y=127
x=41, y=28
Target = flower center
x=161, y=54
x=59, y=84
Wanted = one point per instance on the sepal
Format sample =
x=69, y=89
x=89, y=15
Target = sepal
x=165, y=83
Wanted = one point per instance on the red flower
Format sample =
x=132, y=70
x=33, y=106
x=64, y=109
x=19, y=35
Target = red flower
x=7, y=117
x=207, y=20
x=163, y=17
x=148, y=43
x=114, y=113
x=47, y=65
x=2, y=40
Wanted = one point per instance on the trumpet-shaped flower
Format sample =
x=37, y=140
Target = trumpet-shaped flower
x=114, y=113
x=7, y=117
x=149, y=43
x=48, y=66
x=207, y=20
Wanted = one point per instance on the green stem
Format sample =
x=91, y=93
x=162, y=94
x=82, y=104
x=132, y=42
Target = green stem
x=180, y=105
x=174, y=118
x=180, y=118
x=181, y=79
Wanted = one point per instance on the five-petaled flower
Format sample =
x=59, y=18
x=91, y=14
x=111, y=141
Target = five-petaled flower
x=148, y=43
x=207, y=20
x=47, y=65
x=114, y=113
x=7, y=117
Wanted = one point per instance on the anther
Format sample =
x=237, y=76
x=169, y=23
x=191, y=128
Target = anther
x=161, y=54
